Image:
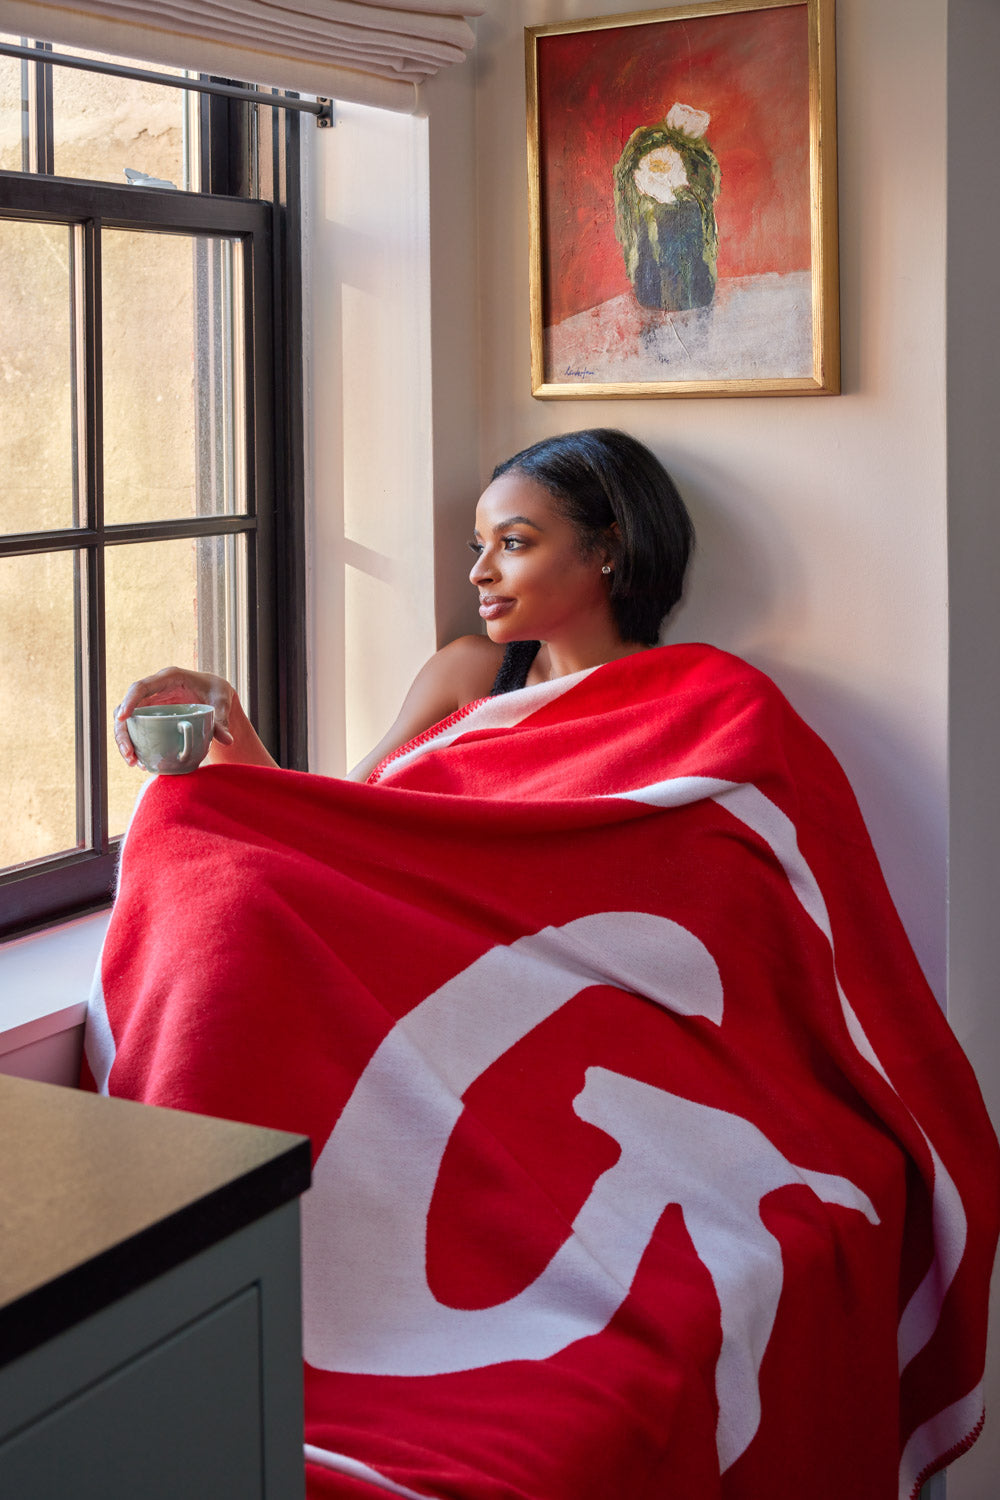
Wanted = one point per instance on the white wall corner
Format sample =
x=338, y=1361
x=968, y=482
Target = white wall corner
x=973, y=312
x=973, y=534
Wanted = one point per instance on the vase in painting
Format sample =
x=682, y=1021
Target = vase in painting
x=666, y=182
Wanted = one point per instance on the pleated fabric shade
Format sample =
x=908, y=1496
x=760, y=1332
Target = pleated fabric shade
x=343, y=49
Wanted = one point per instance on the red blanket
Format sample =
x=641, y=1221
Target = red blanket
x=646, y=1164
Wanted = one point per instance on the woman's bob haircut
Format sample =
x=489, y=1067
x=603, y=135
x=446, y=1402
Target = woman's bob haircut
x=602, y=478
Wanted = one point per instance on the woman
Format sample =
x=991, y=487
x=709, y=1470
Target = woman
x=581, y=544
x=644, y=1161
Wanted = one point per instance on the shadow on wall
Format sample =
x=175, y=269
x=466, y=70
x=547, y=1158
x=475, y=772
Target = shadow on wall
x=748, y=594
x=739, y=572
x=902, y=796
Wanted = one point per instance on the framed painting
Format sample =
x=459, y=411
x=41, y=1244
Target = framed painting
x=682, y=175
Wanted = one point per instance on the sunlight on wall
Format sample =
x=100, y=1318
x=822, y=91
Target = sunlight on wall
x=371, y=559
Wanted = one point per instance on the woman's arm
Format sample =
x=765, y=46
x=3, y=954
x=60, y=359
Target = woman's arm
x=456, y=675
x=453, y=677
x=234, y=741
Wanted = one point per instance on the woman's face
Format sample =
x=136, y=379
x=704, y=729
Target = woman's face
x=535, y=581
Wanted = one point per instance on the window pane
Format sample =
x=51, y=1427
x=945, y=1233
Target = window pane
x=36, y=376
x=103, y=124
x=176, y=603
x=38, y=733
x=10, y=109
x=174, y=437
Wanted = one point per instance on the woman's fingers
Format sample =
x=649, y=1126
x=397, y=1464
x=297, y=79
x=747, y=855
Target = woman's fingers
x=174, y=685
x=126, y=749
x=154, y=689
x=220, y=695
x=171, y=685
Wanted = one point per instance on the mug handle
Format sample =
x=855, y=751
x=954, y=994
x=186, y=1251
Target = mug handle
x=187, y=734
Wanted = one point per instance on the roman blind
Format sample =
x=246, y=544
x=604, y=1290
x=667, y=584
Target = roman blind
x=345, y=49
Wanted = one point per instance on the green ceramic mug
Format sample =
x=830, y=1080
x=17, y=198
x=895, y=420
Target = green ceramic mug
x=171, y=739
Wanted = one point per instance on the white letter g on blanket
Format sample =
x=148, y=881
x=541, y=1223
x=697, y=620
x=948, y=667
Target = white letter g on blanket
x=368, y=1307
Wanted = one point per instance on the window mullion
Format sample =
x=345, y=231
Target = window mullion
x=259, y=460
x=226, y=134
x=27, y=90
x=92, y=715
x=95, y=782
x=81, y=517
x=281, y=180
x=40, y=148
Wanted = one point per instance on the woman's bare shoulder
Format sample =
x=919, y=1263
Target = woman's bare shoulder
x=456, y=675
x=469, y=663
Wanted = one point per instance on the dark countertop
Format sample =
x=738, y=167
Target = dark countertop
x=98, y=1196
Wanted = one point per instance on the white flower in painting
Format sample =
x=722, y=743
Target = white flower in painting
x=689, y=121
x=659, y=173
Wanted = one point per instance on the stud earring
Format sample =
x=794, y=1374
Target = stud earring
x=606, y=568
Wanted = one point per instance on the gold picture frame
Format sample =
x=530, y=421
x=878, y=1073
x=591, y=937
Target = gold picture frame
x=682, y=184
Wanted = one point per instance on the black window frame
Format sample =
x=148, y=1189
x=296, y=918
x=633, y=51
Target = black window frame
x=250, y=161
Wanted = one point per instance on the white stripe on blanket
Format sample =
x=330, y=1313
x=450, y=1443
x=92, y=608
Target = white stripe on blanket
x=357, y=1470
x=920, y=1317
x=502, y=712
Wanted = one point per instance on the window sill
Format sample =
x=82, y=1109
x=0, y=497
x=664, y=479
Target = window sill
x=45, y=982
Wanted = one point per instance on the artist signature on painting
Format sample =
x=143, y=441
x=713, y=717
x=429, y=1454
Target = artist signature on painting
x=579, y=374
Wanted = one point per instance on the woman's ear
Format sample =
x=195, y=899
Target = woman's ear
x=613, y=545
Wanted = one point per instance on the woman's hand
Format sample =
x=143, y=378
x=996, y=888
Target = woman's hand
x=175, y=685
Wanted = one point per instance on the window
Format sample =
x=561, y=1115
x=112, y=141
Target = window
x=150, y=509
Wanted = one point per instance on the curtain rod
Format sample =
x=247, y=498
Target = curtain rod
x=321, y=108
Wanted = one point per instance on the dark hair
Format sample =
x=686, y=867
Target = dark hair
x=601, y=477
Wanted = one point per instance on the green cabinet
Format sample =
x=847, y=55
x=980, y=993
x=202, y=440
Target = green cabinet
x=150, y=1338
